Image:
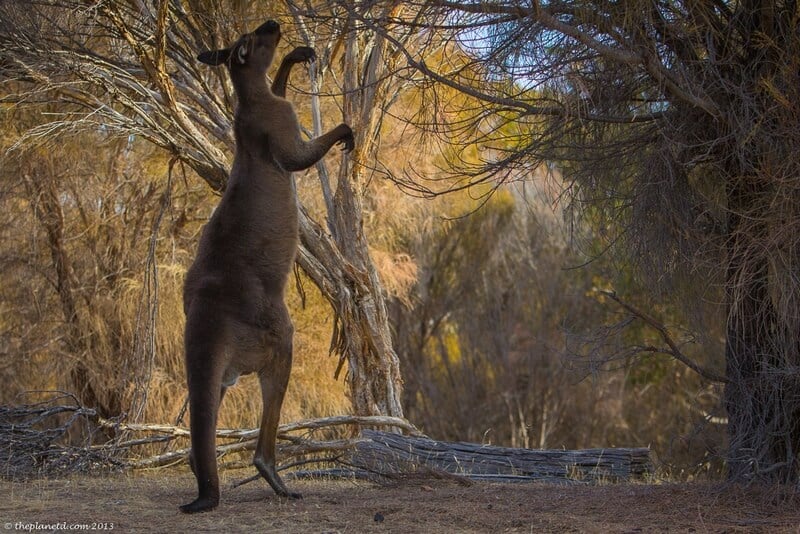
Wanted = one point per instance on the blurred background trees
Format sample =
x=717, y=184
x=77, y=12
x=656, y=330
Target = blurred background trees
x=674, y=124
x=619, y=192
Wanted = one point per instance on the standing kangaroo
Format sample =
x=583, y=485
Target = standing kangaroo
x=236, y=318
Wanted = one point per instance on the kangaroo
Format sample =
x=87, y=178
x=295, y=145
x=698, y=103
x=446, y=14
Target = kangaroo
x=236, y=319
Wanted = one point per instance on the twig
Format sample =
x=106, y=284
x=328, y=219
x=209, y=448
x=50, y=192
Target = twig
x=283, y=430
x=331, y=459
x=245, y=481
x=673, y=349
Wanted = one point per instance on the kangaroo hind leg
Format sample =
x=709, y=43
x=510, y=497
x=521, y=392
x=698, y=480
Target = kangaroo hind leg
x=204, y=365
x=222, y=391
x=274, y=379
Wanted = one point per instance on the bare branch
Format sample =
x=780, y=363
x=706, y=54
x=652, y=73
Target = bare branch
x=673, y=349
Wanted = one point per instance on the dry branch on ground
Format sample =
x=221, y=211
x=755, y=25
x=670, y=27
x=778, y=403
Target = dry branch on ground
x=37, y=439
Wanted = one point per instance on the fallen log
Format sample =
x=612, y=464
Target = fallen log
x=386, y=453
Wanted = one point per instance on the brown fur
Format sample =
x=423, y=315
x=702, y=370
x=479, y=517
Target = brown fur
x=236, y=319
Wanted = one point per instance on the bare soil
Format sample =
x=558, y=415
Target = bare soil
x=149, y=503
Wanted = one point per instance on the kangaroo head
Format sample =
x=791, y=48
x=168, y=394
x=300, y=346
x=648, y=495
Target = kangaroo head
x=252, y=52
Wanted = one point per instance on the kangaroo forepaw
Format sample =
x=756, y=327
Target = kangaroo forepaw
x=302, y=54
x=201, y=504
x=347, y=140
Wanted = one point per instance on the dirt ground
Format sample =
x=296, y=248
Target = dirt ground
x=149, y=503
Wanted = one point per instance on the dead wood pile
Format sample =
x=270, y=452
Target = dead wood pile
x=41, y=440
x=59, y=437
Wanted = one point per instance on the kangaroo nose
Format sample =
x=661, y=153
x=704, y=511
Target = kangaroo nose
x=268, y=27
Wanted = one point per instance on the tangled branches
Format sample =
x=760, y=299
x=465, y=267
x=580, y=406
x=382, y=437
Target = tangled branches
x=34, y=440
x=59, y=436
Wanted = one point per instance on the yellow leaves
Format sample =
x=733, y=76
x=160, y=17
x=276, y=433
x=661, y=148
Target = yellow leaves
x=444, y=350
x=600, y=286
x=312, y=389
x=398, y=272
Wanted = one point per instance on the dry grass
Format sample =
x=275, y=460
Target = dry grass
x=148, y=502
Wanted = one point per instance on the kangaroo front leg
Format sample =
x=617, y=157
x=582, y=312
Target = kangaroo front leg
x=301, y=54
x=294, y=154
x=273, y=388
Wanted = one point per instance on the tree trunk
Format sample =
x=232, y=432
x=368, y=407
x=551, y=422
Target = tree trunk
x=763, y=393
x=340, y=264
x=361, y=333
x=373, y=367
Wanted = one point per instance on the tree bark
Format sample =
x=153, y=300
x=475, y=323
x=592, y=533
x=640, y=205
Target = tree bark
x=390, y=454
x=760, y=395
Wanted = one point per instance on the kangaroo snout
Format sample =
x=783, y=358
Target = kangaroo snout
x=268, y=27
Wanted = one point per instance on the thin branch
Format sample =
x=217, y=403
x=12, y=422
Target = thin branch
x=673, y=349
x=283, y=430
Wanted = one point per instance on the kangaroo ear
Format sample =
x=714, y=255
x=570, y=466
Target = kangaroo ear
x=241, y=54
x=215, y=57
